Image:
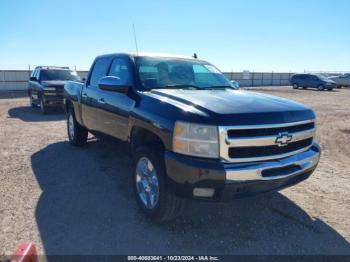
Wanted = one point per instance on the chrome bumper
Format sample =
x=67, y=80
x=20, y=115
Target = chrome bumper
x=305, y=161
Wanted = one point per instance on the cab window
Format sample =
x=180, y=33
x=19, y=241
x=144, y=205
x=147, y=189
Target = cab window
x=99, y=70
x=121, y=69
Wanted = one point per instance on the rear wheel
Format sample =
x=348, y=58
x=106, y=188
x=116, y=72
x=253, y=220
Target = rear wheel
x=77, y=134
x=152, y=196
x=339, y=86
x=320, y=88
x=295, y=86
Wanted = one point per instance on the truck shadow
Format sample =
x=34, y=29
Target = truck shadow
x=87, y=207
x=31, y=114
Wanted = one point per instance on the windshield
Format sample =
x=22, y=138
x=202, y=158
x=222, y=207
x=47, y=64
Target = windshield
x=322, y=77
x=47, y=75
x=162, y=72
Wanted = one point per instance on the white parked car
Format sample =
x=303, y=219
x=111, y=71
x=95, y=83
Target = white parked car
x=342, y=80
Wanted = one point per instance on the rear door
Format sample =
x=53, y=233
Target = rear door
x=314, y=81
x=91, y=97
x=117, y=106
x=307, y=81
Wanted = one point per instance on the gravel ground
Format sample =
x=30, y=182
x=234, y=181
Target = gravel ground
x=79, y=201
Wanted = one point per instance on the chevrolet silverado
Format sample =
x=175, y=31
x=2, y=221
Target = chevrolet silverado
x=191, y=133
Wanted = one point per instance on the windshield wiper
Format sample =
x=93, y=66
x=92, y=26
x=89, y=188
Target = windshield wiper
x=213, y=87
x=182, y=86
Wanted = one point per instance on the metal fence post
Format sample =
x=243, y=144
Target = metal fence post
x=272, y=78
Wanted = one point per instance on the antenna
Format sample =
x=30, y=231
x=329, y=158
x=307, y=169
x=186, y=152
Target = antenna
x=135, y=39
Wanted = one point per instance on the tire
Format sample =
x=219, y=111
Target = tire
x=330, y=89
x=320, y=88
x=32, y=104
x=295, y=86
x=339, y=87
x=77, y=134
x=165, y=205
x=43, y=108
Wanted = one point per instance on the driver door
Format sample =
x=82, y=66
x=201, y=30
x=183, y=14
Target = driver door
x=117, y=106
x=91, y=98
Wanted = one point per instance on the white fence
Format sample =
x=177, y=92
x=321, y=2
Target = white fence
x=12, y=80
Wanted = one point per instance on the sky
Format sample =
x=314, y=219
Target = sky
x=234, y=35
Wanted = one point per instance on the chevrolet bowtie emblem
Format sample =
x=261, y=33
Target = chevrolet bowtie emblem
x=283, y=139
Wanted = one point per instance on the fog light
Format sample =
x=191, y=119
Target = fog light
x=203, y=192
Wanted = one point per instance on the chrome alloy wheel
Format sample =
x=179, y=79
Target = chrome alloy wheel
x=71, y=126
x=147, y=183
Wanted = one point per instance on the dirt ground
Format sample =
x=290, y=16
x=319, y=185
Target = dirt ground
x=79, y=200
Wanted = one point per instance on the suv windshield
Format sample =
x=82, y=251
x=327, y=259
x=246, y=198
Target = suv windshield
x=162, y=72
x=322, y=77
x=46, y=75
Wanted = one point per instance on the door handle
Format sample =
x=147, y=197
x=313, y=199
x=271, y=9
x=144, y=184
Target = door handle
x=84, y=95
x=101, y=101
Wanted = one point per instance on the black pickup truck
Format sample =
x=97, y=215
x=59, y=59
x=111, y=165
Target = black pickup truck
x=45, y=87
x=191, y=133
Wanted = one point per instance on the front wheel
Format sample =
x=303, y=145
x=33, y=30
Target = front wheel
x=43, y=107
x=31, y=102
x=150, y=189
x=320, y=88
x=77, y=134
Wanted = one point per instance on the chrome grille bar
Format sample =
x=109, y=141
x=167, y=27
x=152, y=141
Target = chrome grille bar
x=268, y=140
x=227, y=142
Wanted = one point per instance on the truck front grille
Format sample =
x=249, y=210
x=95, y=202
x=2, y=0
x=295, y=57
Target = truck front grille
x=234, y=133
x=265, y=142
x=257, y=151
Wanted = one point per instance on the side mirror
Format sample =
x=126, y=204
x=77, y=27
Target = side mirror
x=32, y=78
x=113, y=83
x=235, y=84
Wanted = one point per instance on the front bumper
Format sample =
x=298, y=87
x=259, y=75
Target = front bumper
x=331, y=85
x=52, y=99
x=234, y=180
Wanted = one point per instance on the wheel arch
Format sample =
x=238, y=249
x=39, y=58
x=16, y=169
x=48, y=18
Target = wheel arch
x=140, y=136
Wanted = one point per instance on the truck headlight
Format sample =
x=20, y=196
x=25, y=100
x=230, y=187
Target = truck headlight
x=196, y=140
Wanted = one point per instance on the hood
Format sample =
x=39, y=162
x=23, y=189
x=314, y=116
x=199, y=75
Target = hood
x=54, y=83
x=331, y=81
x=231, y=107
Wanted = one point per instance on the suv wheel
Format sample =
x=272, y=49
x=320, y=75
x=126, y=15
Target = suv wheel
x=320, y=88
x=77, y=134
x=43, y=108
x=295, y=86
x=31, y=102
x=150, y=189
